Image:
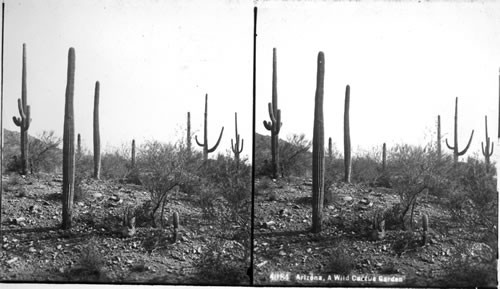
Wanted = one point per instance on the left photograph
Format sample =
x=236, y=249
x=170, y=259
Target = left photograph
x=127, y=142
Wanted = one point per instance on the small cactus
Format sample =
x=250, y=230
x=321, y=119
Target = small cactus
x=176, y=226
x=378, y=227
x=188, y=136
x=425, y=228
x=128, y=222
x=330, y=149
x=79, y=147
x=439, y=137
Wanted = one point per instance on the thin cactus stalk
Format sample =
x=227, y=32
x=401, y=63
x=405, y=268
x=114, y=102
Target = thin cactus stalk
x=235, y=147
x=133, y=154
x=206, y=150
x=318, y=165
x=97, y=135
x=425, y=228
x=24, y=119
x=487, y=152
x=330, y=149
x=384, y=157
x=78, y=147
x=274, y=125
x=176, y=226
x=347, y=138
x=454, y=148
x=439, y=137
x=188, y=136
x=69, y=146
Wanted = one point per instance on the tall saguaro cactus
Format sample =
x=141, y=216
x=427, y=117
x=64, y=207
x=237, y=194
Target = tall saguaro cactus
x=274, y=125
x=206, y=150
x=384, y=157
x=133, y=155
x=69, y=146
x=78, y=146
x=97, y=135
x=318, y=165
x=235, y=147
x=487, y=152
x=330, y=149
x=439, y=137
x=454, y=148
x=347, y=137
x=188, y=136
x=24, y=119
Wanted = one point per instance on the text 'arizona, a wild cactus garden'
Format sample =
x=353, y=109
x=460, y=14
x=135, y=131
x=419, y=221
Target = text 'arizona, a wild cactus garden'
x=133, y=149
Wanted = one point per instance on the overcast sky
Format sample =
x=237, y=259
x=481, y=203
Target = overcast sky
x=155, y=61
x=404, y=61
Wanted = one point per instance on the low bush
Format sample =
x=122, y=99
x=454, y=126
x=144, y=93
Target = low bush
x=341, y=261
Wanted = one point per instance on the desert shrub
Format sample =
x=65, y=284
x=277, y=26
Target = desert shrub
x=90, y=266
x=44, y=153
x=406, y=241
x=114, y=165
x=462, y=270
x=295, y=157
x=14, y=164
x=365, y=168
x=163, y=167
x=216, y=266
x=341, y=262
x=392, y=217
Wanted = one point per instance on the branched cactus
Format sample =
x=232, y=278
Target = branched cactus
x=128, y=222
x=235, y=147
x=176, y=226
x=274, y=125
x=24, y=119
x=384, y=157
x=133, y=155
x=318, y=165
x=487, y=152
x=206, y=150
x=97, y=135
x=347, y=138
x=439, y=137
x=454, y=148
x=69, y=146
x=425, y=229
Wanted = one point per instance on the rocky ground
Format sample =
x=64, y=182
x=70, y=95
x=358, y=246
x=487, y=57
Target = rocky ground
x=286, y=253
x=94, y=250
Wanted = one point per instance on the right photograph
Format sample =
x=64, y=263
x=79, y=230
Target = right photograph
x=376, y=144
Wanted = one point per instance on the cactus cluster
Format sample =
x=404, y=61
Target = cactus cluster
x=24, y=119
x=274, y=125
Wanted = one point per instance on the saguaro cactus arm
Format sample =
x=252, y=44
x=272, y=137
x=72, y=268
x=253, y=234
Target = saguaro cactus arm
x=218, y=141
x=456, y=152
x=486, y=148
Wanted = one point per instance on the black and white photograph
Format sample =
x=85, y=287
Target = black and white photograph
x=376, y=141
x=127, y=142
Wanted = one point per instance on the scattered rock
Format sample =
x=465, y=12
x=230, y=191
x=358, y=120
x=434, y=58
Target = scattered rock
x=12, y=260
x=347, y=198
